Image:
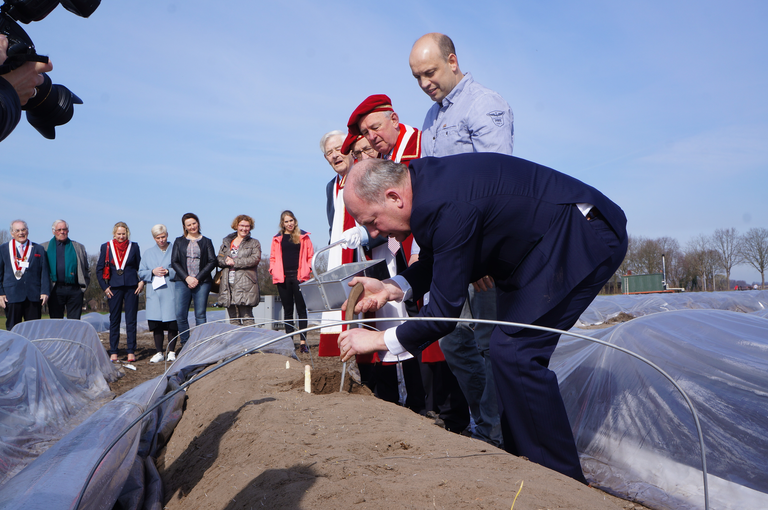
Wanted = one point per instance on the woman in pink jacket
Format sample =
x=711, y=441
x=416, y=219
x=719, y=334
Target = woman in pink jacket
x=290, y=259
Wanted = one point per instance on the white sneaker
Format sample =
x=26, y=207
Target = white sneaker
x=157, y=358
x=171, y=356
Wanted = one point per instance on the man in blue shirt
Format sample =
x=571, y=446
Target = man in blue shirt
x=466, y=117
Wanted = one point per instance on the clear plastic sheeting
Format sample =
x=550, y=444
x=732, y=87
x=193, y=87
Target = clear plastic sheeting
x=636, y=435
x=74, y=347
x=39, y=403
x=207, y=341
x=604, y=308
x=127, y=475
x=99, y=322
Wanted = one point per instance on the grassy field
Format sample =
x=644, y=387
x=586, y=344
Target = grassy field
x=2, y=320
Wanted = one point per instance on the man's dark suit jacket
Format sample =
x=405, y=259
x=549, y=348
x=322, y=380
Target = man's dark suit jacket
x=33, y=282
x=482, y=214
x=130, y=276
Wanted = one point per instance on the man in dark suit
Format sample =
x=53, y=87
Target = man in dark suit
x=24, y=283
x=549, y=241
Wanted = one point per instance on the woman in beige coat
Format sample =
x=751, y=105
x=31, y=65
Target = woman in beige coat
x=239, y=256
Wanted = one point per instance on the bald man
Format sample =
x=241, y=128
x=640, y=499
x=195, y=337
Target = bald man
x=466, y=117
x=550, y=241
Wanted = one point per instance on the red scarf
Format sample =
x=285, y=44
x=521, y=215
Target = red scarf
x=347, y=255
x=120, y=248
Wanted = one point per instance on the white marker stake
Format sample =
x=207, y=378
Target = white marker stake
x=307, y=379
x=287, y=365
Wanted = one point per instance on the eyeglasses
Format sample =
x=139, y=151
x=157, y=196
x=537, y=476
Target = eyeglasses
x=25, y=229
x=61, y=230
x=329, y=153
x=367, y=150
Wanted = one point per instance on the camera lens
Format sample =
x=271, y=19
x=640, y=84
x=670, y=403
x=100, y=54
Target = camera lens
x=52, y=106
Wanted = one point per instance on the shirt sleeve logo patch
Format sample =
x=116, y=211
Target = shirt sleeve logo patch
x=497, y=116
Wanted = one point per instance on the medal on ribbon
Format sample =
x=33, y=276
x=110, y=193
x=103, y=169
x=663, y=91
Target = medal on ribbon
x=119, y=262
x=19, y=263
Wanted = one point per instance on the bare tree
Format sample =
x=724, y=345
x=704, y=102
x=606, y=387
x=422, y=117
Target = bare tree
x=94, y=296
x=689, y=272
x=754, y=249
x=727, y=243
x=711, y=266
x=266, y=287
x=5, y=236
x=648, y=257
x=630, y=259
x=701, y=260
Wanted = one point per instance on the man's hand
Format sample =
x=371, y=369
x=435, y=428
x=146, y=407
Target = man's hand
x=108, y=293
x=483, y=284
x=25, y=78
x=375, y=294
x=139, y=288
x=191, y=282
x=3, y=301
x=360, y=341
x=44, y=298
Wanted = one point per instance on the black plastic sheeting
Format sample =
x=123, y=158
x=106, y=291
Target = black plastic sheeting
x=55, y=477
x=636, y=435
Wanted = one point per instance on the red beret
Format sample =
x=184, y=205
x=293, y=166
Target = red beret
x=349, y=141
x=374, y=103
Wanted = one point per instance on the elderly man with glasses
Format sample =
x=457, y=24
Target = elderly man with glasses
x=69, y=273
x=24, y=283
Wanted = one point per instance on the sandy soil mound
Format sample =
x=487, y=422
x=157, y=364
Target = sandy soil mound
x=251, y=437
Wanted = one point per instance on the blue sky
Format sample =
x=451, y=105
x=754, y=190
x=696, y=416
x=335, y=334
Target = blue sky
x=218, y=107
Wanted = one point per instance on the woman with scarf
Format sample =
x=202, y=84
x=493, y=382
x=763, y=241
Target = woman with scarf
x=290, y=263
x=118, y=275
x=240, y=255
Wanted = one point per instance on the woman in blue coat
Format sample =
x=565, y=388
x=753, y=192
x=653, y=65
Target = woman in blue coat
x=156, y=271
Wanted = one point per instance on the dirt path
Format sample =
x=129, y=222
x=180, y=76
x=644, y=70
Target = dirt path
x=251, y=437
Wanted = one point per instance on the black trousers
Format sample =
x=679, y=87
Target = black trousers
x=66, y=298
x=444, y=395
x=534, y=421
x=25, y=310
x=122, y=295
x=385, y=377
x=290, y=295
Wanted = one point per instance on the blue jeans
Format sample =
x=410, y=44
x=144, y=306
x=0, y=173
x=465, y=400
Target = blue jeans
x=186, y=296
x=467, y=352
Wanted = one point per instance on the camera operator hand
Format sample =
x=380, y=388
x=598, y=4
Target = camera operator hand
x=25, y=78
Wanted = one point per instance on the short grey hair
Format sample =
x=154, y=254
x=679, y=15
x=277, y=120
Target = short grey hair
x=159, y=229
x=19, y=221
x=373, y=177
x=328, y=135
x=56, y=222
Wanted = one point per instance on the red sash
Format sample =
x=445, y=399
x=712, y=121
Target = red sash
x=410, y=139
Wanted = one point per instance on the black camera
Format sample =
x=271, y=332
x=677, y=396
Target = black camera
x=52, y=105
